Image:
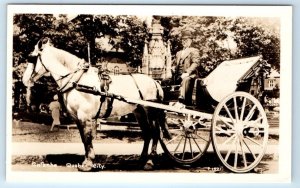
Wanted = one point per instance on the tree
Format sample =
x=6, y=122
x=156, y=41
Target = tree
x=223, y=38
x=210, y=33
x=133, y=34
x=28, y=28
x=217, y=38
x=253, y=39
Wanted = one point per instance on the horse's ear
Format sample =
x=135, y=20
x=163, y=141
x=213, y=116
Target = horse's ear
x=45, y=40
x=42, y=42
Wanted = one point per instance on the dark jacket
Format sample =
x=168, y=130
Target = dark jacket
x=189, y=62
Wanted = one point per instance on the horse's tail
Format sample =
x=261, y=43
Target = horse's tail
x=160, y=114
x=159, y=92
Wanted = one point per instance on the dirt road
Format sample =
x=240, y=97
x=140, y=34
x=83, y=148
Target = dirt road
x=35, y=148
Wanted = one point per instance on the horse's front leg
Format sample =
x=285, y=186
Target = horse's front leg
x=87, y=131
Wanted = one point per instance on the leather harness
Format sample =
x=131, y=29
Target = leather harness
x=74, y=78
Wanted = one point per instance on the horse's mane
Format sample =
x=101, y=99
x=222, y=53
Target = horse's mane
x=68, y=60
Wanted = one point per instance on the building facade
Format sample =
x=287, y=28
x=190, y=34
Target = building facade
x=156, y=60
x=272, y=81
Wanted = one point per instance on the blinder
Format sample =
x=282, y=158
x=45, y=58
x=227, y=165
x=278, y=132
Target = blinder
x=32, y=59
x=36, y=75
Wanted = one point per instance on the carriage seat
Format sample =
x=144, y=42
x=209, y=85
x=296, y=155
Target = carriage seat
x=204, y=100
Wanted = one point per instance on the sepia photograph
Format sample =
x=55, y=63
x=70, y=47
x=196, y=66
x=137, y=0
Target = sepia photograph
x=179, y=93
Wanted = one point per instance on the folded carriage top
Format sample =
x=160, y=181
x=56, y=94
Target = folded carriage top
x=224, y=79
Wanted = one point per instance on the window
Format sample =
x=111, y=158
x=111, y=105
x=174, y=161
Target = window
x=116, y=70
x=271, y=83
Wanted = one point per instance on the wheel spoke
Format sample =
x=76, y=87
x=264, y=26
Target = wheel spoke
x=254, y=141
x=191, y=147
x=228, y=112
x=258, y=119
x=249, y=149
x=226, y=123
x=254, y=123
x=243, y=109
x=183, y=151
x=236, y=154
x=236, y=109
x=197, y=145
x=229, y=151
x=229, y=139
x=173, y=139
x=178, y=145
x=228, y=154
x=244, y=156
x=250, y=114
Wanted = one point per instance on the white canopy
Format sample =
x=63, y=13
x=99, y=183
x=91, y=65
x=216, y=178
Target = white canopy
x=223, y=80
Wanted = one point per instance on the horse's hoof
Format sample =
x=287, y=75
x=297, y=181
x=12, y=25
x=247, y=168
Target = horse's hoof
x=149, y=165
x=84, y=169
x=86, y=166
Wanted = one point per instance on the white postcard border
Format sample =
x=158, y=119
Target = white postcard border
x=285, y=14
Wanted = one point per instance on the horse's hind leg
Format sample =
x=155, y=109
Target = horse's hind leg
x=142, y=119
x=155, y=132
x=87, y=131
x=158, y=121
x=161, y=118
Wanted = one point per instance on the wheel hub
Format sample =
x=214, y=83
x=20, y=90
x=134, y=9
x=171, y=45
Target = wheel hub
x=189, y=126
x=239, y=129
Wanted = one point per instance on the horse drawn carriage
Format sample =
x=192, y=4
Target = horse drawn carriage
x=237, y=127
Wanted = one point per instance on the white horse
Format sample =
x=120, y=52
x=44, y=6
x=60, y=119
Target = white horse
x=83, y=107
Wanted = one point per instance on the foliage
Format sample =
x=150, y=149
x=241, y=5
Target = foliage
x=133, y=34
x=223, y=38
x=254, y=39
x=125, y=32
x=217, y=38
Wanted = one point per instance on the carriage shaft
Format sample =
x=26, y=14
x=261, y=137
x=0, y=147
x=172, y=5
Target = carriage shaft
x=202, y=115
x=94, y=91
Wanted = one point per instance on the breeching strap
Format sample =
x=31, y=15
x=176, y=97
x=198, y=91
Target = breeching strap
x=140, y=93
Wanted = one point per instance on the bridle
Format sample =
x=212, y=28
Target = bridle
x=34, y=74
x=80, y=66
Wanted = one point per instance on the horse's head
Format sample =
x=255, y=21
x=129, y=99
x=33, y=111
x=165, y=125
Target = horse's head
x=54, y=61
x=33, y=72
x=38, y=48
x=35, y=69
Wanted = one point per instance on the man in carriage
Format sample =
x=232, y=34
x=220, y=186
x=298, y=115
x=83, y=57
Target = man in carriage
x=185, y=69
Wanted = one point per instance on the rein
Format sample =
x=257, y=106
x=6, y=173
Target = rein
x=80, y=66
x=72, y=84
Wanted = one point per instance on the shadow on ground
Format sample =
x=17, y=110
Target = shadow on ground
x=208, y=163
x=122, y=162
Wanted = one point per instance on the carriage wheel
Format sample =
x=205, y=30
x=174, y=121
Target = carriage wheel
x=240, y=132
x=189, y=140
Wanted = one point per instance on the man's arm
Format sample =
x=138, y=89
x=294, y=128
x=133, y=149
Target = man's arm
x=195, y=61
